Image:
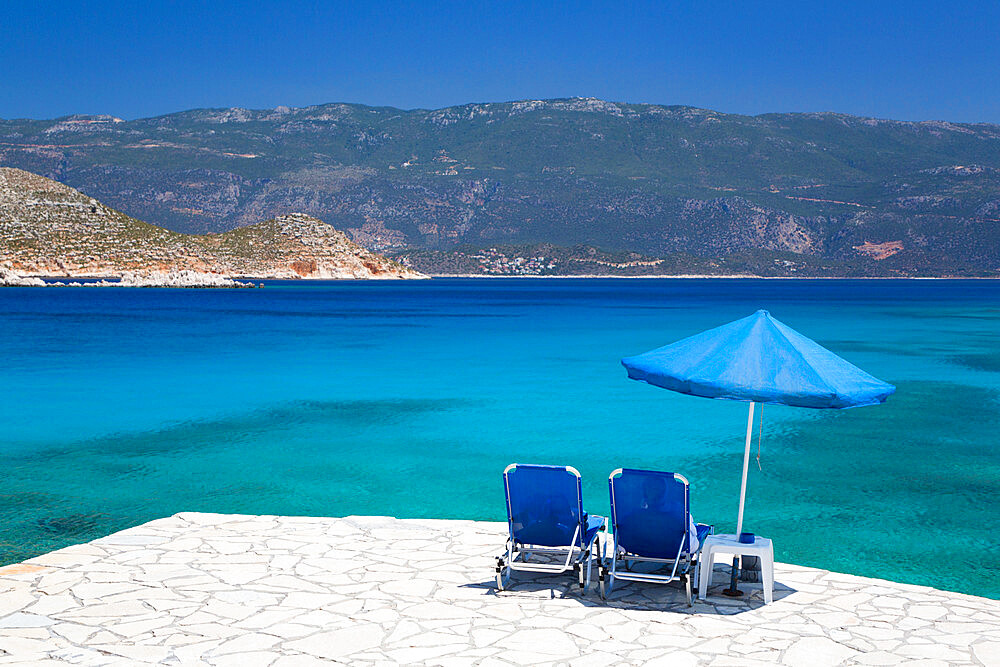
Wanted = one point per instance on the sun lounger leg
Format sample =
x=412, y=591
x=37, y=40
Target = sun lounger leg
x=503, y=567
x=607, y=575
x=503, y=574
x=590, y=561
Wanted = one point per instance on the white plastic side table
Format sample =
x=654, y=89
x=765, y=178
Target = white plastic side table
x=716, y=545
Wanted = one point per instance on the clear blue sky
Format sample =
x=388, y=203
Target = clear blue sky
x=909, y=60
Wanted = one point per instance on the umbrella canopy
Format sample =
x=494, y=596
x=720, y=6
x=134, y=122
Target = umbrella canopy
x=760, y=360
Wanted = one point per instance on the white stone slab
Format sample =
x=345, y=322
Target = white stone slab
x=286, y=591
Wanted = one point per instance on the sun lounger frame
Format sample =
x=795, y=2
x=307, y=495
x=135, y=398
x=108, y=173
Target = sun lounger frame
x=684, y=562
x=517, y=555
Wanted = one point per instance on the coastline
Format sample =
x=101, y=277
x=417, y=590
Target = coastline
x=714, y=277
x=227, y=276
x=220, y=281
x=178, y=279
x=416, y=275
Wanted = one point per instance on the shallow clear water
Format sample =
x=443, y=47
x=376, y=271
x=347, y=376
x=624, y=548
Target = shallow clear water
x=409, y=398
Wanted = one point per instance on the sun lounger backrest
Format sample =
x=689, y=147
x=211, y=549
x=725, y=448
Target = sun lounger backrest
x=649, y=512
x=544, y=504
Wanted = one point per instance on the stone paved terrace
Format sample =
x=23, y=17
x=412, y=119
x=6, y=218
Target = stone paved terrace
x=206, y=589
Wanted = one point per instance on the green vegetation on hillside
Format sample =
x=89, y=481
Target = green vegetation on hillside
x=864, y=196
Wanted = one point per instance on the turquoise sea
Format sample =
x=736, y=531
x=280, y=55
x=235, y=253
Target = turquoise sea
x=409, y=398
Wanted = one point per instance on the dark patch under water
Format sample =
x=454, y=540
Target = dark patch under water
x=72, y=525
x=244, y=426
x=985, y=361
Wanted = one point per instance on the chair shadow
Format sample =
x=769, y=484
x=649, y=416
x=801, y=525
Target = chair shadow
x=636, y=595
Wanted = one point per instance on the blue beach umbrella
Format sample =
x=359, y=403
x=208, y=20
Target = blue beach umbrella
x=759, y=360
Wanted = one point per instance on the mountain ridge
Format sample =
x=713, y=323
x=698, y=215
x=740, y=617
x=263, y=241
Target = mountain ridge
x=594, y=102
x=842, y=194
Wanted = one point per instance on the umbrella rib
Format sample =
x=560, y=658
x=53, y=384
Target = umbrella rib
x=805, y=362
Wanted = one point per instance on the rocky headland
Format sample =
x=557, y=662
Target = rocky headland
x=48, y=229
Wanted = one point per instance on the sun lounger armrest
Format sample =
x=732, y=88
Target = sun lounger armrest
x=594, y=524
x=703, y=530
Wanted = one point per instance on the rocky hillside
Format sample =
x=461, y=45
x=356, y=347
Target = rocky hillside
x=297, y=246
x=50, y=229
x=824, y=193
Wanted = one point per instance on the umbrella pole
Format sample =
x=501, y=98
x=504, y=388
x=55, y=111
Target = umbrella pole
x=746, y=466
x=733, y=591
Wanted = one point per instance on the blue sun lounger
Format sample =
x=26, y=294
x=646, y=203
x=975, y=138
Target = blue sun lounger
x=545, y=517
x=650, y=516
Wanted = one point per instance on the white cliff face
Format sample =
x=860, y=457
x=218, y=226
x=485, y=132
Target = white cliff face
x=185, y=278
x=10, y=279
